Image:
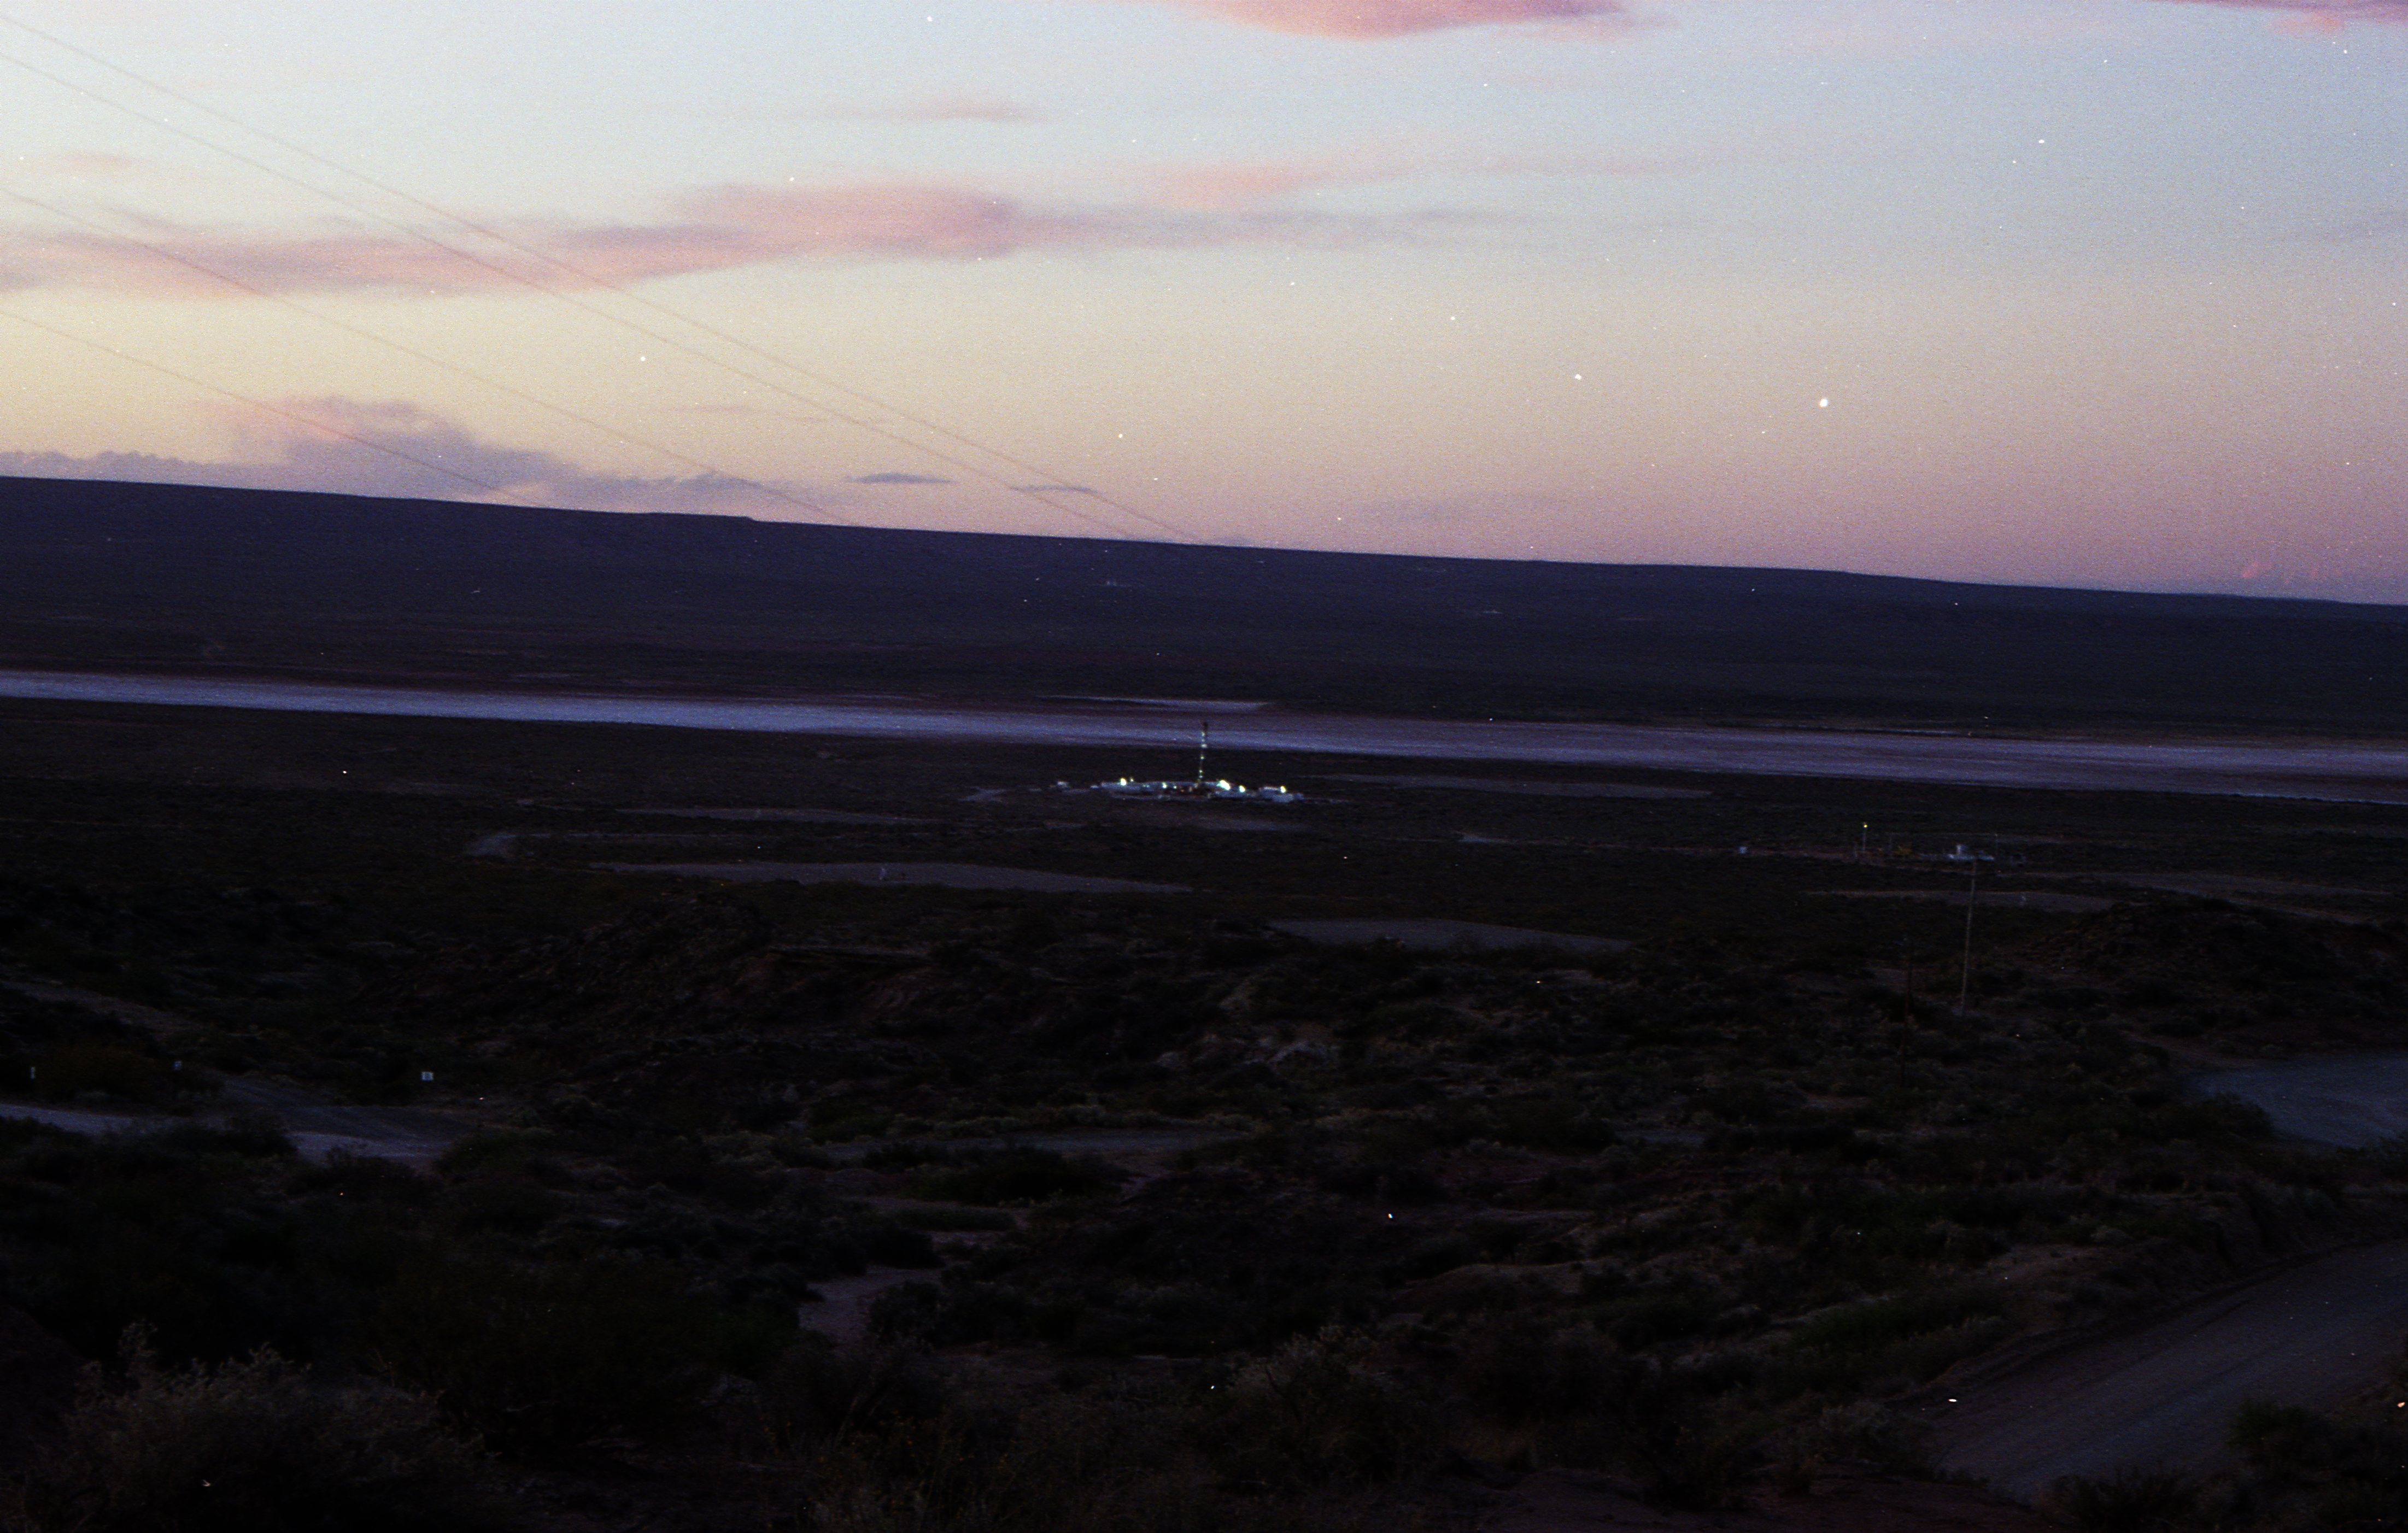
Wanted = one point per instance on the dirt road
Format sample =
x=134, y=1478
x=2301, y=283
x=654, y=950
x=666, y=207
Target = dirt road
x=317, y=1127
x=2163, y=1392
x=2347, y=1100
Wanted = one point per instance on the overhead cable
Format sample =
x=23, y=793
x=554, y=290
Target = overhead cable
x=586, y=278
x=261, y=405
x=348, y=328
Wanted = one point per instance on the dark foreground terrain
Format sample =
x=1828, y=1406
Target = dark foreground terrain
x=869, y=1206
x=416, y=1123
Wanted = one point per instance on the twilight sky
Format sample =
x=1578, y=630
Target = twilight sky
x=2102, y=292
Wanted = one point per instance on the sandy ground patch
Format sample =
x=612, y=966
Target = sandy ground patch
x=2348, y=1101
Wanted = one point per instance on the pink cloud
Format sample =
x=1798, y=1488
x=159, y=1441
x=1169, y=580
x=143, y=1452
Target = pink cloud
x=717, y=229
x=1378, y=19
x=2318, y=15
x=1239, y=184
x=1373, y=19
x=1242, y=183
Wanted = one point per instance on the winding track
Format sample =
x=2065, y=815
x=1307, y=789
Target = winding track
x=317, y=1127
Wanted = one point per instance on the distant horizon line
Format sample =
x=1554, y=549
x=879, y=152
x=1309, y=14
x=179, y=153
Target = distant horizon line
x=874, y=528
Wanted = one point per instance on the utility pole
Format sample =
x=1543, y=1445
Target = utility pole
x=1906, y=1006
x=1965, y=979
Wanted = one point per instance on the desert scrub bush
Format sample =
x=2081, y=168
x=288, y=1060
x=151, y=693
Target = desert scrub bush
x=493, y=1151
x=1687, y=1432
x=1523, y=1367
x=546, y=1356
x=1548, y=1122
x=1651, y=1316
x=2131, y=1501
x=2388, y=1156
x=255, y=1135
x=892, y=1242
x=501, y=1205
x=2220, y=1117
x=2350, y=1474
x=957, y=1310
x=75, y=1070
x=903, y=1155
x=1907, y=1336
x=1315, y=1411
x=816, y=1390
x=1877, y=1221
x=1089, y=1466
x=1090, y=1317
x=1864, y=1327
x=369, y=1177
x=837, y=1121
x=250, y=1446
x=1013, y=1174
x=953, y=1221
x=1859, y=1432
x=106, y=1233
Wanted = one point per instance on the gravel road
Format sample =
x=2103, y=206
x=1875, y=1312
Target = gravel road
x=2347, y=1100
x=317, y=1127
x=2162, y=1392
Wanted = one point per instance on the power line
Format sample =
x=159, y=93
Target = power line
x=582, y=275
x=255, y=404
x=429, y=358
